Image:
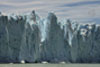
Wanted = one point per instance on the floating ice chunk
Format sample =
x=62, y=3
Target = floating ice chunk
x=62, y=62
x=44, y=62
x=11, y=63
x=23, y=62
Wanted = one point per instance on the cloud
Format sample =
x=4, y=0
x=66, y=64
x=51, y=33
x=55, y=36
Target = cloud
x=21, y=4
x=81, y=10
x=81, y=3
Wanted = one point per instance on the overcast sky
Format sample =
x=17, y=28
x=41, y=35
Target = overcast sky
x=78, y=10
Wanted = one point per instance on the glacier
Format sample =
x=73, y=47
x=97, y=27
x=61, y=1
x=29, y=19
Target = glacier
x=29, y=38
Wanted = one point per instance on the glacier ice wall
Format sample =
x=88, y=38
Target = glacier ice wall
x=32, y=39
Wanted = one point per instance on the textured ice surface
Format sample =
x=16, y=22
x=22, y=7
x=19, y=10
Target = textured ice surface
x=31, y=39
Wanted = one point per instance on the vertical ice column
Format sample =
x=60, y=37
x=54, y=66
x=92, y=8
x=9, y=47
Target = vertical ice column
x=15, y=26
x=4, y=39
x=70, y=36
x=53, y=46
x=86, y=42
x=31, y=40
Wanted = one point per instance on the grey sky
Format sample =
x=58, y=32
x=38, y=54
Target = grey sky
x=78, y=10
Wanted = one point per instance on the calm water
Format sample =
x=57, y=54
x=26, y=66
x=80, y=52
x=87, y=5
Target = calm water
x=49, y=65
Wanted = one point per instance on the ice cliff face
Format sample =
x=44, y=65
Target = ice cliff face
x=29, y=38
